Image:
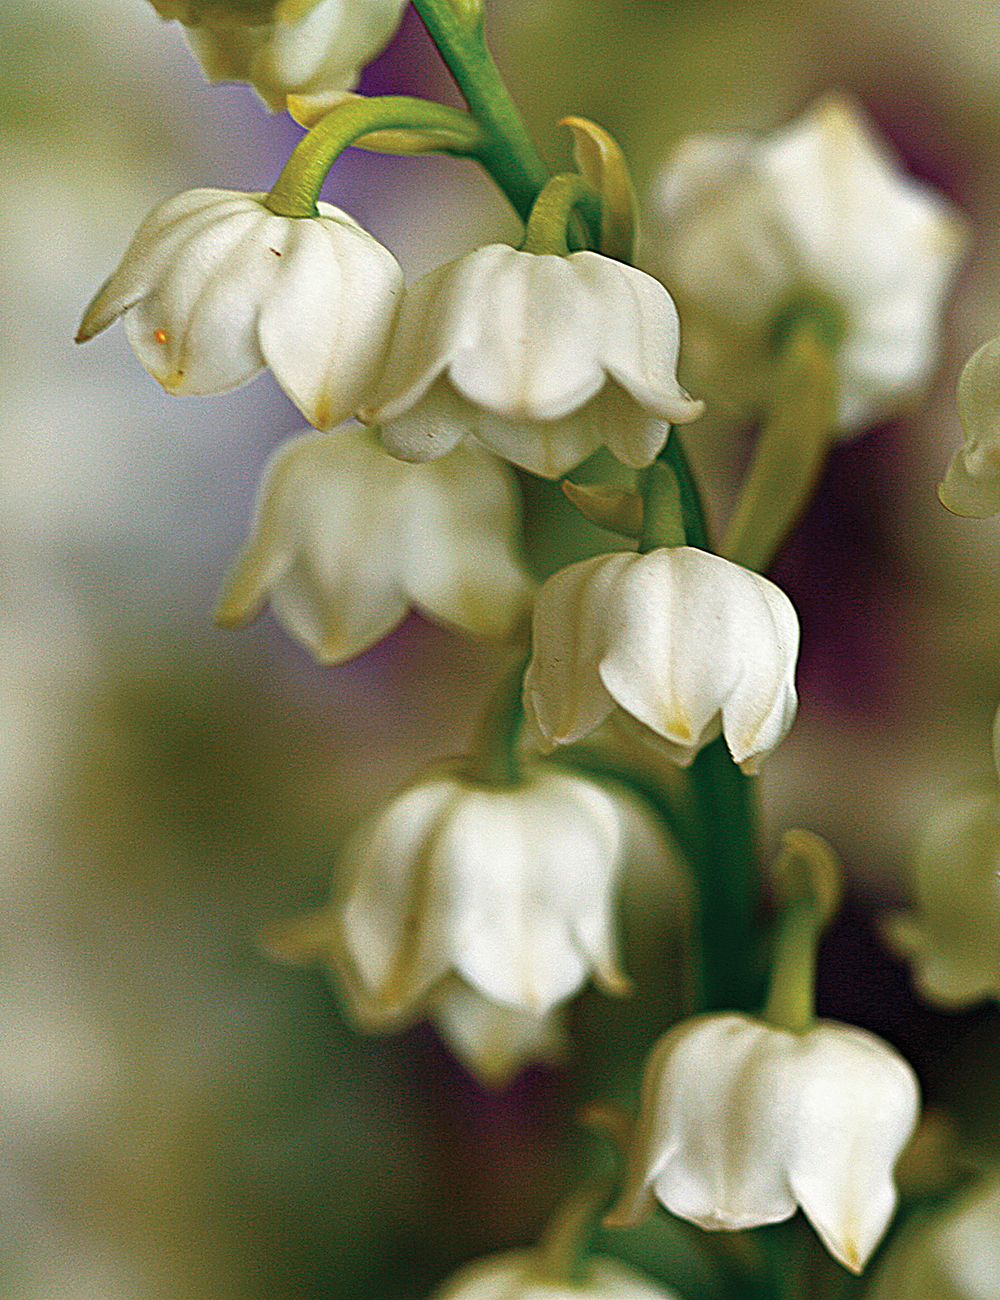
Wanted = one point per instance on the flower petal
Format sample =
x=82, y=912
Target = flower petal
x=194, y=330
x=564, y=697
x=169, y=226
x=324, y=324
x=327, y=560
x=397, y=917
x=638, y=334
x=530, y=347
x=533, y=871
x=714, y=1128
x=858, y=1103
x=459, y=560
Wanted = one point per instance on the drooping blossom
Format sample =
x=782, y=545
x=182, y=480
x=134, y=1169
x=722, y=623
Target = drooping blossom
x=311, y=49
x=215, y=286
x=742, y=1123
x=347, y=539
x=511, y=887
x=680, y=641
x=542, y=358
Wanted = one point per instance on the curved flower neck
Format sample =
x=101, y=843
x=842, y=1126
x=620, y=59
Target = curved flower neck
x=808, y=883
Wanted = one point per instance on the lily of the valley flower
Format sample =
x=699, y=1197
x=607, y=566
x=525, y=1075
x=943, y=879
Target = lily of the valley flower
x=952, y=939
x=742, y=1123
x=682, y=641
x=214, y=287
x=516, y=1275
x=346, y=539
x=819, y=212
x=511, y=887
x=971, y=486
x=312, y=49
x=543, y=358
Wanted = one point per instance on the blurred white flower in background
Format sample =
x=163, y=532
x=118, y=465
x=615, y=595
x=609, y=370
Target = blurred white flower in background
x=953, y=1256
x=543, y=358
x=346, y=539
x=311, y=49
x=516, y=1275
x=741, y=1124
x=682, y=641
x=952, y=937
x=816, y=216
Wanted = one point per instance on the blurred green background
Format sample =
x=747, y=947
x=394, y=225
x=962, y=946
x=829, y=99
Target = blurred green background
x=177, y=1116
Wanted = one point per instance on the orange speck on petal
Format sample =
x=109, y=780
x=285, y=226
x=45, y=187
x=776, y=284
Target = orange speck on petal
x=160, y=336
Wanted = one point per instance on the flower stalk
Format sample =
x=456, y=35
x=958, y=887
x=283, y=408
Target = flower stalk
x=563, y=1242
x=792, y=448
x=807, y=877
x=726, y=847
x=494, y=754
x=508, y=153
x=447, y=130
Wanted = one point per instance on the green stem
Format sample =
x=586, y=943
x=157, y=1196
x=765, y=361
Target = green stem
x=561, y=1246
x=508, y=153
x=296, y=190
x=725, y=852
x=728, y=883
x=549, y=223
x=493, y=756
x=791, y=1002
x=792, y=447
x=809, y=886
x=693, y=511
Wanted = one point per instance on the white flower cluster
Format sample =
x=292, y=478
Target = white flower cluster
x=486, y=904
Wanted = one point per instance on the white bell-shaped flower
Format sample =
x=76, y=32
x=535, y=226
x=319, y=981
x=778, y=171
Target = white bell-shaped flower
x=742, y=1123
x=543, y=358
x=512, y=887
x=954, y=1256
x=346, y=539
x=682, y=641
x=214, y=287
x=312, y=49
x=952, y=938
x=493, y=1040
x=821, y=212
x=971, y=486
x=515, y=1275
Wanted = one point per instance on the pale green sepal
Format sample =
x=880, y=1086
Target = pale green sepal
x=791, y=449
x=971, y=486
x=601, y=162
x=607, y=506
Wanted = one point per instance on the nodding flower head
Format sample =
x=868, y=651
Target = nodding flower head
x=543, y=358
x=215, y=286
